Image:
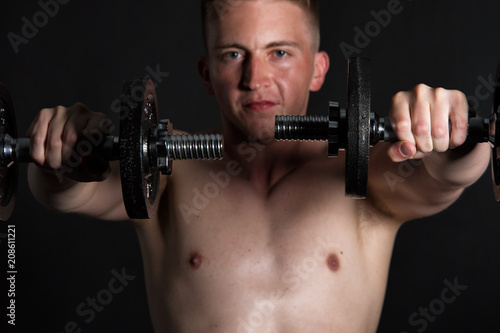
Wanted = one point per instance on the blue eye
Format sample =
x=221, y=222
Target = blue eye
x=280, y=53
x=233, y=55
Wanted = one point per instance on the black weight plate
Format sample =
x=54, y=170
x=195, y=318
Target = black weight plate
x=358, y=128
x=139, y=114
x=8, y=173
x=495, y=158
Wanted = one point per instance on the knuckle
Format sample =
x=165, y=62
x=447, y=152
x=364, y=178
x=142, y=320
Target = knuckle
x=439, y=131
x=421, y=89
x=70, y=138
x=54, y=143
x=60, y=109
x=449, y=99
x=37, y=139
x=440, y=91
x=79, y=107
x=399, y=98
x=45, y=115
x=458, y=96
x=460, y=99
x=440, y=95
x=461, y=124
x=402, y=125
x=421, y=128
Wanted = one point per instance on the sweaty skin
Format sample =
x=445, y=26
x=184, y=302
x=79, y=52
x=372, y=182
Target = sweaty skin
x=265, y=239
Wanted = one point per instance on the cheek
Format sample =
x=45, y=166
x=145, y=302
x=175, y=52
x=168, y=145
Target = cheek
x=224, y=83
x=227, y=76
x=295, y=92
x=295, y=79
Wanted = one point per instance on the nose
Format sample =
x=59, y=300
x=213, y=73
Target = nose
x=256, y=73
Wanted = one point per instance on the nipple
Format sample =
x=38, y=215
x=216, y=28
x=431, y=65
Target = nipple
x=195, y=260
x=333, y=262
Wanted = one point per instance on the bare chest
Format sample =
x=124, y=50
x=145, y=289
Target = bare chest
x=229, y=220
x=291, y=256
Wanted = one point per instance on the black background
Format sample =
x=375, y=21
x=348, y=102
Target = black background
x=88, y=48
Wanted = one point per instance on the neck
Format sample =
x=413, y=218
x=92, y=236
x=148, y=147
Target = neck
x=265, y=162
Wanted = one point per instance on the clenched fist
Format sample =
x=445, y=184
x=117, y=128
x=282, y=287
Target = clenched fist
x=421, y=120
x=63, y=140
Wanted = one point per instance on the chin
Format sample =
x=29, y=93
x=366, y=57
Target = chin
x=262, y=132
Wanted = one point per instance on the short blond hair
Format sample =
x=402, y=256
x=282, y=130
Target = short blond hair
x=213, y=9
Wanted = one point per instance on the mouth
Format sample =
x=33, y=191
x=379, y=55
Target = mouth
x=259, y=105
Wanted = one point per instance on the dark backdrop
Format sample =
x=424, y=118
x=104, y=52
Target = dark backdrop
x=86, y=50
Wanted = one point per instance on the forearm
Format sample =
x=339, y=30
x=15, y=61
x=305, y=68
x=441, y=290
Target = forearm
x=419, y=188
x=101, y=200
x=460, y=167
x=56, y=192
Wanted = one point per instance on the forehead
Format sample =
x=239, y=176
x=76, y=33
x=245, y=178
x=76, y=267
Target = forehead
x=258, y=21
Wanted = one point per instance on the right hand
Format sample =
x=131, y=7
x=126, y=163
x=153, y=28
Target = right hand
x=60, y=138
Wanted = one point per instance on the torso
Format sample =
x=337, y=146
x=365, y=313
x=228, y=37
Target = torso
x=224, y=256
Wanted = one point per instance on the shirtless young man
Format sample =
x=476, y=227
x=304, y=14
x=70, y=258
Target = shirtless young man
x=277, y=248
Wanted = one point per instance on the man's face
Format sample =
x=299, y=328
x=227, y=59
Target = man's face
x=261, y=63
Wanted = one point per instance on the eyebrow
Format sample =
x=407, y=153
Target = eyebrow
x=268, y=46
x=282, y=43
x=229, y=46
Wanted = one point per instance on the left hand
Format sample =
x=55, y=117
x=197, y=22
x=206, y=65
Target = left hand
x=421, y=117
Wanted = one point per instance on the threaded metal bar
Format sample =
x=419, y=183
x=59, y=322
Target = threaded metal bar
x=185, y=147
x=303, y=128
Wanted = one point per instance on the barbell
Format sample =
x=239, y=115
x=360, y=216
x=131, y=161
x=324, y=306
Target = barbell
x=355, y=129
x=145, y=147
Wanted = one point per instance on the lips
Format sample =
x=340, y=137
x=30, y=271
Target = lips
x=259, y=105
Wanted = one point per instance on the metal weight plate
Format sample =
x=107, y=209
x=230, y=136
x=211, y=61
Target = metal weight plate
x=8, y=173
x=495, y=158
x=358, y=127
x=139, y=178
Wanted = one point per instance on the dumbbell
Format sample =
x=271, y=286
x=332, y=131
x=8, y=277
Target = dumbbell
x=355, y=129
x=145, y=147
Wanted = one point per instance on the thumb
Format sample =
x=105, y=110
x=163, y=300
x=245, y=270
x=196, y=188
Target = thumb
x=401, y=151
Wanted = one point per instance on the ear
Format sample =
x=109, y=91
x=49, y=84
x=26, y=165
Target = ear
x=205, y=74
x=321, y=65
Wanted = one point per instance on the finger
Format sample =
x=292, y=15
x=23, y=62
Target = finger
x=400, y=117
x=94, y=133
x=54, y=140
x=97, y=128
x=421, y=119
x=73, y=148
x=459, y=117
x=401, y=151
x=440, y=113
x=94, y=167
x=37, y=132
